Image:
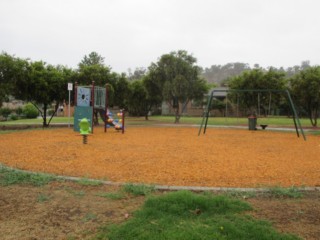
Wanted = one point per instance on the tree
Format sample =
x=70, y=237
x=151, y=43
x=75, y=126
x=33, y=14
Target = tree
x=92, y=59
x=121, y=88
x=219, y=73
x=12, y=69
x=43, y=86
x=92, y=68
x=306, y=89
x=177, y=76
x=137, y=98
x=138, y=73
x=5, y=112
x=153, y=96
x=34, y=82
x=261, y=80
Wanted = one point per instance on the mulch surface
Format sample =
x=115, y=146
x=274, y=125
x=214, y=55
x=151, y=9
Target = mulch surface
x=169, y=156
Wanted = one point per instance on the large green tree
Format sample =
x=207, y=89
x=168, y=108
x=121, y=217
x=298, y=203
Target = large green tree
x=258, y=79
x=178, y=77
x=92, y=68
x=35, y=82
x=92, y=58
x=44, y=85
x=12, y=70
x=153, y=93
x=306, y=90
x=121, y=90
x=137, y=98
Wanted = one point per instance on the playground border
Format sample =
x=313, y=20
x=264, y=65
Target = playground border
x=163, y=187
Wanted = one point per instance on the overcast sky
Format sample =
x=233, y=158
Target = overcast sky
x=134, y=33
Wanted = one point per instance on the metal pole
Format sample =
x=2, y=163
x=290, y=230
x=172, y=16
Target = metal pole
x=208, y=109
x=226, y=114
x=295, y=117
x=75, y=120
x=69, y=111
x=204, y=115
x=75, y=93
x=92, y=104
x=123, y=112
x=238, y=108
x=259, y=104
x=106, y=110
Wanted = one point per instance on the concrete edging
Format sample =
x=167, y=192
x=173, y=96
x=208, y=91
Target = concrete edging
x=165, y=187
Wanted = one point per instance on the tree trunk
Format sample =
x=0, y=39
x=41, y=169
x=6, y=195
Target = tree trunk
x=54, y=113
x=177, y=115
x=146, y=114
x=313, y=116
x=45, y=107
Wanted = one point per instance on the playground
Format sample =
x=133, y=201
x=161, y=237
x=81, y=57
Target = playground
x=174, y=156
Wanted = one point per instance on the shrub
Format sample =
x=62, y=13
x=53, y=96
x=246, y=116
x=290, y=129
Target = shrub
x=30, y=111
x=18, y=111
x=5, y=112
x=51, y=111
x=14, y=117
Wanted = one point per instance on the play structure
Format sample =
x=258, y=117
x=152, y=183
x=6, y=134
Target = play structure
x=91, y=102
x=252, y=119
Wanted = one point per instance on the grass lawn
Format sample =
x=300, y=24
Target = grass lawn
x=277, y=121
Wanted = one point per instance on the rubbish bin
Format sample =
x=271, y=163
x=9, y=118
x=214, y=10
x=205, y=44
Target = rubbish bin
x=252, y=122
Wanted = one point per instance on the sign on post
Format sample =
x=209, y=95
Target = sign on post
x=70, y=86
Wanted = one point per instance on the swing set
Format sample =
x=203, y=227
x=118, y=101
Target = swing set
x=285, y=93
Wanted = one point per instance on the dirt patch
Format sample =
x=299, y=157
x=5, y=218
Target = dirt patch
x=59, y=211
x=298, y=216
x=67, y=210
x=169, y=156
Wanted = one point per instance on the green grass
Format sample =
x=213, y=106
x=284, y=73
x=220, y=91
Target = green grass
x=280, y=192
x=43, y=198
x=89, y=217
x=37, y=121
x=138, y=189
x=133, y=189
x=277, y=121
x=79, y=194
x=89, y=182
x=240, y=194
x=184, y=215
x=316, y=133
x=10, y=177
x=113, y=195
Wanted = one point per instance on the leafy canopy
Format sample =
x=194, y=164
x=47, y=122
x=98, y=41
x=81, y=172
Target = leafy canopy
x=306, y=90
x=177, y=77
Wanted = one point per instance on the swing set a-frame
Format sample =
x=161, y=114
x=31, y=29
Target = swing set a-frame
x=286, y=93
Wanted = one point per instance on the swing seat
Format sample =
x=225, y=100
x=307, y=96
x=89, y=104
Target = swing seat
x=263, y=126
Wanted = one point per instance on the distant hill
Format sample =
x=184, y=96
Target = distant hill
x=219, y=73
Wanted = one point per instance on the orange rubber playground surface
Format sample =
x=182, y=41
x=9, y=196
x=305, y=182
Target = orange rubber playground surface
x=174, y=156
